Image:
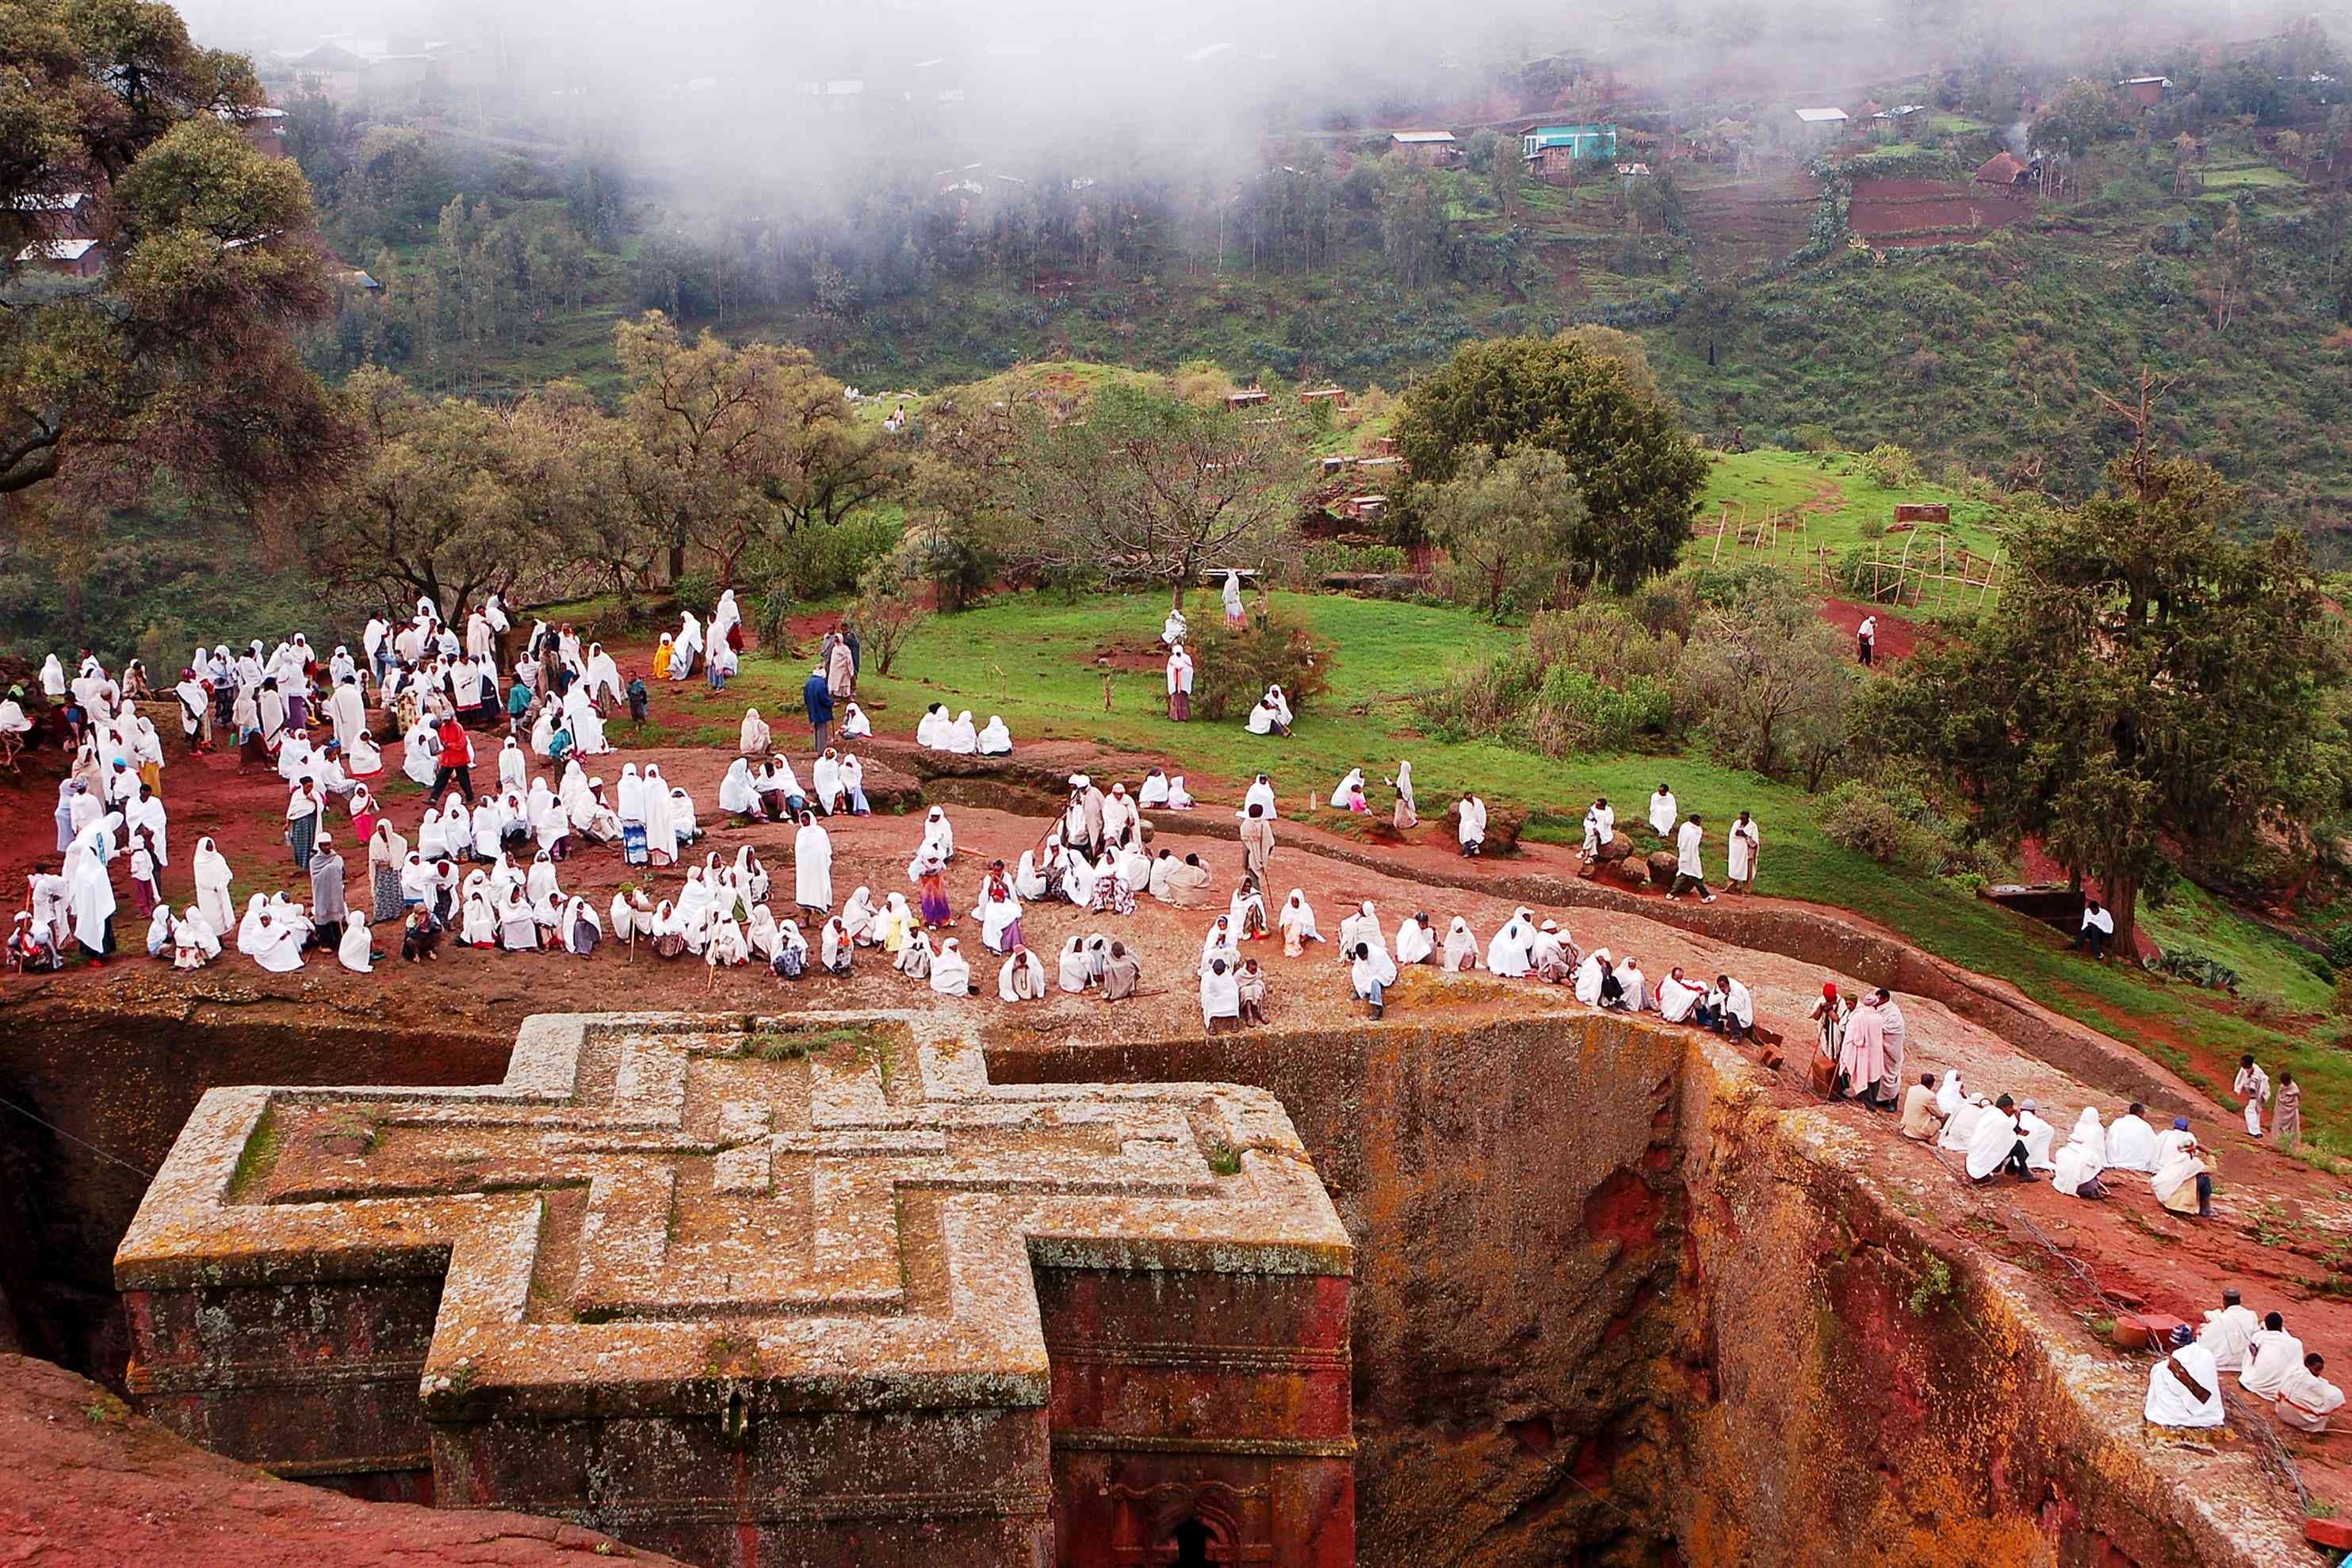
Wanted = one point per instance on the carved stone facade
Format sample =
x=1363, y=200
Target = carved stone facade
x=808, y=1291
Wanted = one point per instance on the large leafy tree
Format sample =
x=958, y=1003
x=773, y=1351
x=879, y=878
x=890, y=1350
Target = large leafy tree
x=726, y=445
x=2149, y=682
x=1147, y=487
x=1509, y=527
x=181, y=358
x=1638, y=473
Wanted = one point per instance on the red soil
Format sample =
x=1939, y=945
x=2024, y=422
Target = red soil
x=1897, y=639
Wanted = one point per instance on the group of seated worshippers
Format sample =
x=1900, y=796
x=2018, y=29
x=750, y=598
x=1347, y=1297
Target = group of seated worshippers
x=936, y=731
x=2012, y=1135
x=2184, y=1387
x=769, y=788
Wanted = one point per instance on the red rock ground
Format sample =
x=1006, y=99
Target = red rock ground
x=90, y=1483
x=1898, y=638
x=2282, y=1229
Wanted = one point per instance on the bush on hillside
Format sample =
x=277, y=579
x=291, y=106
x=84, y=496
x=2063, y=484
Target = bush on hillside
x=1590, y=679
x=1233, y=669
x=1868, y=821
x=1891, y=467
x=821, y=561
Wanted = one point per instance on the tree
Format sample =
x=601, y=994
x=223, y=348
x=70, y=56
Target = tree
x=1772, y=683
x=1509, y=527
x=890, y=610
x=425, y=511
x=1413, y=224
x=559, y=454
x=1148, y=489
x=182, y=356
x=2080, y=115
x=1509, y=177
x=2149, y=680
x=1639, y=475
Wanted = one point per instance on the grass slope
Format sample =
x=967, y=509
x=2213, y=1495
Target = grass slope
x=1031, y=659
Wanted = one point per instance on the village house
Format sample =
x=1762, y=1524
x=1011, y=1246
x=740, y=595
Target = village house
x=1819, y=126
x=1429, y=149
x=1555, y=149
x=66, y=214
x=2146, y=93
x=64, y=257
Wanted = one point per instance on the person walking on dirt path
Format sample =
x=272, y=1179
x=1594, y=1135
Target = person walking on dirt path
x=1866, y=641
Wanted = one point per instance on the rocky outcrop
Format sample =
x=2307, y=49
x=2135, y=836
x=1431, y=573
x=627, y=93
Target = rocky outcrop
x=89, y=1482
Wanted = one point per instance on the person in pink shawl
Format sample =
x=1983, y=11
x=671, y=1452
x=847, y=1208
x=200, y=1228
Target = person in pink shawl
x=1861, y=1053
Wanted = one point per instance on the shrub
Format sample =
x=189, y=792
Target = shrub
x=1869, y=821
x=1812, y=439
x=1235, y=667
x=1577, y=712
x=773, y=624
x=1891, y=467
x=1338, y=559
x=821, y=561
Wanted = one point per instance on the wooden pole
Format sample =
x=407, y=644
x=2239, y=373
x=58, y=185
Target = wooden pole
x=1902, y=567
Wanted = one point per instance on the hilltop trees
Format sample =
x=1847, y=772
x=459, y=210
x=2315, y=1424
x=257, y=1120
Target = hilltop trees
x=1149, y=489
x=181, y=358
x=1510, y=527
x=2149, y=681
x=1639, y=476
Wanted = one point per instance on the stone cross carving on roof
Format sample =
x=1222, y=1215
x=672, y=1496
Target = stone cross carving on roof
x=664, y=1239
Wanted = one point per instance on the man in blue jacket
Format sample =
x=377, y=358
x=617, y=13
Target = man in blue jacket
x=817, y=697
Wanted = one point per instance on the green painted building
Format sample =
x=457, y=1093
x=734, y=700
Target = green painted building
x=1548, y=147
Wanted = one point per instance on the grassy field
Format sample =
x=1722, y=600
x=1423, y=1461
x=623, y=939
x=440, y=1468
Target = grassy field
x=1031, y=659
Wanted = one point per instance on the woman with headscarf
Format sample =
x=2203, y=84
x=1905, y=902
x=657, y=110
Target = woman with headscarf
x=53, y=680
x=663, y=652
x=420, y=753
x=1232, y=593
x=999, y=909
x=1348, y=788
x=753, y=738
x=1510, y=955
x=1362, y=926
x=1030, y=880
x=825, y=776
x=1020, y=978
x=950, y=971
x=1596, y=982
x=1113, y=885
x=518, y=924
x=1408, y=816
x=684, y=646
x=195, y=944
x=962, y=739
x=914, y=959
x=855, y=724
x=213, y=878
x=1246, y=911
x=70, y=790
x=932, y=729
x=159, y=931
x=1179, y=798
x=894, y=924
x=835, y=951
x=724, y=945
x=1948, y=1096
x=268, y=938
x=737, y=798
x=355, y=951
x=89, y=888
x=790, y=954
x=1461, y=947
x=683, y=821
x=812, y=866
x=1415, y=941
x=629, y=798
x=327, y=903
x=584, y=723
x=939, y=838
x=931, y=886
x=995, y=740
x=661, y=824
x=861, y=916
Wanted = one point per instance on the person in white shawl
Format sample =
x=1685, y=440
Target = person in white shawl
x=939, y=838
x=587, y=725
x=932, y=729
x=89, y=888
x=1177, y=798
x=1461, y=947
x=684, y=646
x=1029, y=879
x=662, y=834
x=2084, y=1157
x=1233, y=597
x=420, y=751
x=1416, y=943
x=1677, y=997
x=855, y=725
x=1507, y=953
x=2037, y=1135
x=861, y=917
x=1470, y=824
x=736, y=795
x=1663, y=814
x=914, y=959
x=824, y=775
x=604, y=676
x=753, y=741
x=962, y=739
x=1074, y=972
x=268, y=939
x=1246, y=910
x=629, y=796
x=1296, y=922
x=1155, y=788
x=53, y=679
x=1219, y=943
x=1993, y=1144
x=1948, y=1097
x=811, y=866
x=193, y=941
x=1636, y=984
x=1362, y=926
x=1020, y=978
x=1371, y=972
x=632, y=917
x=1589, y=975
x=1350, y=785
x=1961, y=1125
x=995, y=740
x=997, y=915
x=724, y=617
x=213, y=880
x=950, y=971
x=356, y=951
x=2131, y=1141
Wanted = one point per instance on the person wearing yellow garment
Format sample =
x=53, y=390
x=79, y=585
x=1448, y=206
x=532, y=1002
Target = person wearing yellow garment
x=661, y=658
